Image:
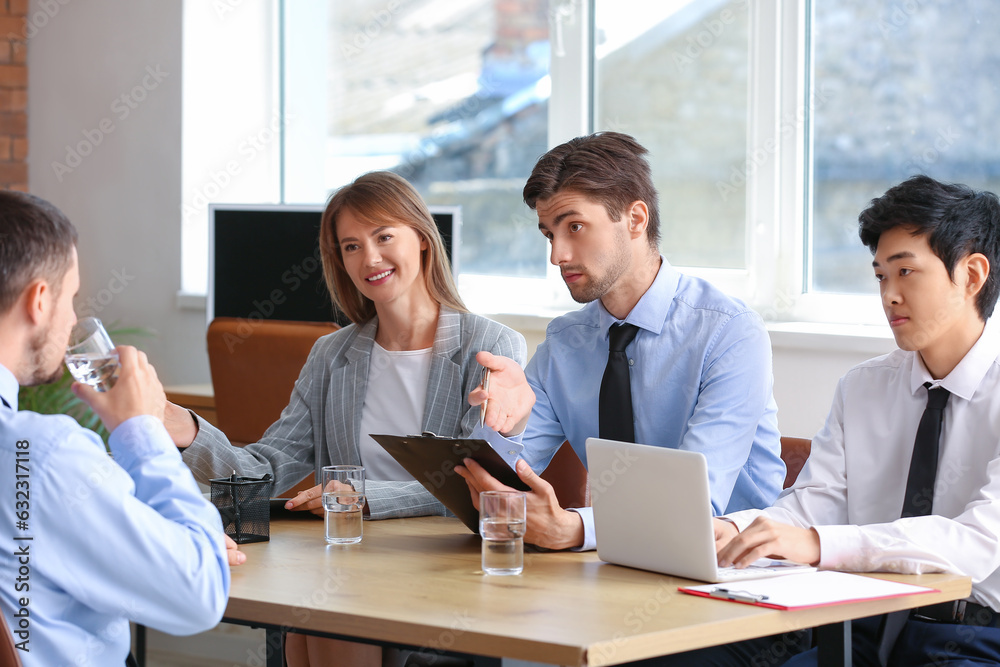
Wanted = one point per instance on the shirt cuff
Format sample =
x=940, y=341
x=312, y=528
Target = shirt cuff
x=509, y=449
x=139, y=438
x=839, y=546
x=742, y=519
x=589, y=535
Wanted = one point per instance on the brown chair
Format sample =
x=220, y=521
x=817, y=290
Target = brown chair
x=9, y=655
x=254, y=367
x=794, y=452
x=568, y=477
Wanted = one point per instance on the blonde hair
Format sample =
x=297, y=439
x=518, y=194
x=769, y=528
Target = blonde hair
x=378, y=198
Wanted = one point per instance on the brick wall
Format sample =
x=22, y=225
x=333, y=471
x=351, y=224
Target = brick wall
x=13, y=96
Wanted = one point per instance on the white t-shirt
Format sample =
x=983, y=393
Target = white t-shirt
x=394, y=404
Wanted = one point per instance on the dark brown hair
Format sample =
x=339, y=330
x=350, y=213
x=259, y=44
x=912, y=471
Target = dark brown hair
x=36, y=241
x=608, y=167
x=378, y=198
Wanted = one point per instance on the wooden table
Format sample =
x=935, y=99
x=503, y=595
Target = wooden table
x=418, y=582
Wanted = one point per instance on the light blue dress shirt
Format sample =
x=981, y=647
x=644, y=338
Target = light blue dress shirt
x=88, y=542
x=701, y=377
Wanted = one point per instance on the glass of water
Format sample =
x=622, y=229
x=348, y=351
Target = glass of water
x=343, y=500
x=502, y=525
x=91, y=356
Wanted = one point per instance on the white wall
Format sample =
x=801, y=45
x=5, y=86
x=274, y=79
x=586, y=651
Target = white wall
x=124, y=196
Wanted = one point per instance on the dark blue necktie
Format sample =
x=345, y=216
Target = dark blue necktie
x=615, y=403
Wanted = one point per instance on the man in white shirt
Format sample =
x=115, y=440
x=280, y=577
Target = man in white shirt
x=935, y=247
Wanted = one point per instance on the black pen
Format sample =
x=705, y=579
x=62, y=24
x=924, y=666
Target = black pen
x=736, y=596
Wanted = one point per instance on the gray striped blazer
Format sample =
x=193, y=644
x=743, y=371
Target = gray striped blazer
x=321, y=424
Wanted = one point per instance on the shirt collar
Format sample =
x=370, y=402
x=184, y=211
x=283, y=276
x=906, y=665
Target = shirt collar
x=8, y=388
x=966, y=377
x=650, y=313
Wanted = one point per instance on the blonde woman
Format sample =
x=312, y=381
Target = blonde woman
x=406, y=364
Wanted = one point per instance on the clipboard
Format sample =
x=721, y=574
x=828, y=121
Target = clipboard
x=432, y=459
x=804, y=590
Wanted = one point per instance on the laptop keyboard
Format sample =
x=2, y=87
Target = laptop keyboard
x=760, y=569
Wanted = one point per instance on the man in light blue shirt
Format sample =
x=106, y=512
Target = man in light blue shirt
x=699, y=366
x=89, y=542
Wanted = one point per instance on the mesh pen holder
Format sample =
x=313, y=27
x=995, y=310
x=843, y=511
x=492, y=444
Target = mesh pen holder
x=244, y=504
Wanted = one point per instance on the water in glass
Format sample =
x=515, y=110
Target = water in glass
x=503, y=545
x=99, y=370
x=343, y=517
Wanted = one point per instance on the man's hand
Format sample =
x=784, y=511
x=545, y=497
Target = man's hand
x=548, y=524
x=181, y=426
x=767, y=538
x=236, y=557
x=137, y=392
x=725, y=531
x=510, y=397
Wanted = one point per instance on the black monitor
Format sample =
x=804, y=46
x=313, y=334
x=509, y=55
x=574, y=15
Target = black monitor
x=264, y=261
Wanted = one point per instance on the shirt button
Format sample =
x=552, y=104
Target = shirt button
x=511, y=452
x=631, y=362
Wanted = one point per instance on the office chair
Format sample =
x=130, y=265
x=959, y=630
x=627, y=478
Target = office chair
x=254, y=367
x=9, y=655
x=794, y=452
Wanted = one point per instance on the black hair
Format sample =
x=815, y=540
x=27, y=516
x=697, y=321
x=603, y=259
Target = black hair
x=957, y=220
x=36, y=241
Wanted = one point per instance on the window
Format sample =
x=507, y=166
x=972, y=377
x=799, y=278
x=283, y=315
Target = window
x=898, y=89
x=453, y=96
x=677, y=82
x=770, y=124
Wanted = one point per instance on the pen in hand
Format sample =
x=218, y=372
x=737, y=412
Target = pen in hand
x=485, y=384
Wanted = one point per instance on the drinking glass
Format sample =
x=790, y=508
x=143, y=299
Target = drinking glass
x=502, y=525
x=343, y=500
x=91, y=356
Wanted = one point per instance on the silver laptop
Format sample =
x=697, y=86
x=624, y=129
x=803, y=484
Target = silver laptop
x=653, y=511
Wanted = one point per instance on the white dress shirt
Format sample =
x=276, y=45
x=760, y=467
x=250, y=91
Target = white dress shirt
x=851, y=488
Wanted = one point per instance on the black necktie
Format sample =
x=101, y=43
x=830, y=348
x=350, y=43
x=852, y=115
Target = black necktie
x=615, y=405
x=5, y=403
x=919, y=498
